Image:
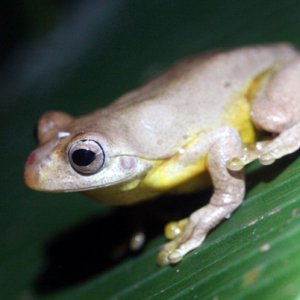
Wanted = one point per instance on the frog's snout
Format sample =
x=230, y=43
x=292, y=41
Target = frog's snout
x=31, y=176
x=36, y=166
x=31, y=158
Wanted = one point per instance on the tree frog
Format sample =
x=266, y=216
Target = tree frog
x=191, y=126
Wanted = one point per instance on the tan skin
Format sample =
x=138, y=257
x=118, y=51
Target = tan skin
x=195, y=119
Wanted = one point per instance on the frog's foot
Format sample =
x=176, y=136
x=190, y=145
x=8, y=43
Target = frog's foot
x=175, y=228
x=173, y=231
x=195, y=231
x=184, y=238
x=248, y=155
x=288, y=141
x=173, y=251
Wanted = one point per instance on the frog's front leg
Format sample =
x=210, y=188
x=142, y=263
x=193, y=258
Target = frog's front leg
x=229, y=190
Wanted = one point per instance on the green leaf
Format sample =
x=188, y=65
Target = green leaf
x=53, y=246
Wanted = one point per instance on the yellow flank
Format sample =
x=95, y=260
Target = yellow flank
x=237, y=114
x=254, y=85
x=170, y=173
x=175, y=174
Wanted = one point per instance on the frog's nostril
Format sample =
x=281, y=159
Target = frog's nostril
x=31, y=159
x=31, y=176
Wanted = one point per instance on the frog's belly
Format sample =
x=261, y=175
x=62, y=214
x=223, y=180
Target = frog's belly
x=123, y=194
x=137, y=191
x=194, y=184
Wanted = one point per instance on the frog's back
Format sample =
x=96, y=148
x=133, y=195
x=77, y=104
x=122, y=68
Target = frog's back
x=193, y=96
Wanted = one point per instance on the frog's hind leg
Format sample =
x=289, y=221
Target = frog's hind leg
x=277, y=109
x=229, y=190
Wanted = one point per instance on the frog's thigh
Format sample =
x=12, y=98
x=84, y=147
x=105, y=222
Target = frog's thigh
x=277, y=110
x=229, y=189
x=277, y=106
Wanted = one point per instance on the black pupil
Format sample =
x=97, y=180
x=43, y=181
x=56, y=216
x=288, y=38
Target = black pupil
x=83, y=157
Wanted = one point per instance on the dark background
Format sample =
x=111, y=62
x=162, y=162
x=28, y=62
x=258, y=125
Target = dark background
x=76, y=56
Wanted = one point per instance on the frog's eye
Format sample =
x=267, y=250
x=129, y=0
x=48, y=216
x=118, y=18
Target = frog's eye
x=86, y=156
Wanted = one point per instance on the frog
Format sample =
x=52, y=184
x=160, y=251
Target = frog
x=198, y=123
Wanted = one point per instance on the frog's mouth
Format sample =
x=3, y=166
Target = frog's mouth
x=33, y=181
x=37, y=180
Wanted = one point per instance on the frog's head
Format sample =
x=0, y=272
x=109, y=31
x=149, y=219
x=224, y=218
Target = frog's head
x=70, y=158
